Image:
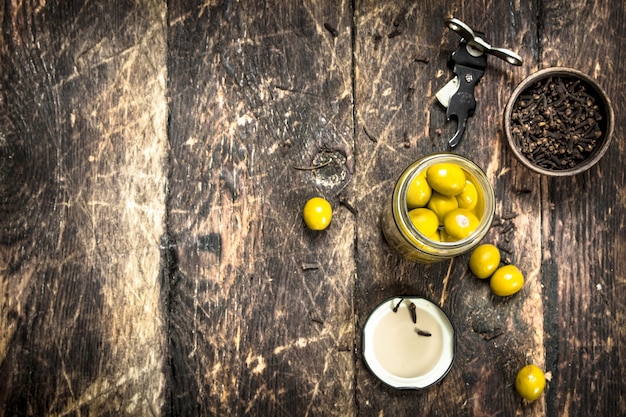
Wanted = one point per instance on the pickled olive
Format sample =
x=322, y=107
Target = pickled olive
x=530, y=382
x=507, y=280
x=442, y=205
x=317, y=213
x=468, y=198
x=460, y=223
x=435, y=237
x=424, y=220
x=449, y=173
x=484, y=260
x=446, y=178
x=445, y=237
x=419, y=192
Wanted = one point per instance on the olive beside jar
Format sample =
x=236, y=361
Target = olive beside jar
x=401, y=232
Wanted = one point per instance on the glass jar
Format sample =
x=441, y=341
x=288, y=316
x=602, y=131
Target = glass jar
x=402, y=235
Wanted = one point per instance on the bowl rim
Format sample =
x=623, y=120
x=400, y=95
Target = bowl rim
x=422, y=382
x=570, y=72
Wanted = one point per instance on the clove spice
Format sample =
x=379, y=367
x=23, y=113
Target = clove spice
x=334, y=32
x=395, y=309
x=557, y=123
x=413, y=312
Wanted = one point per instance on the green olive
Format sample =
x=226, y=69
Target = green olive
x=317, y=213
x=530, y=382
x=442, y=205
x=484, y=260
x=460, y=223
x=468, y=198
x=507, y=280
x=425, y=221
x=446, y=178
x=419, y=192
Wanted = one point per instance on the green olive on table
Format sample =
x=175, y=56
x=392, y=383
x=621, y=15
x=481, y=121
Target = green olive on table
x=317, y=213
x=530, y=382
x=507, y=280
x=484, y=260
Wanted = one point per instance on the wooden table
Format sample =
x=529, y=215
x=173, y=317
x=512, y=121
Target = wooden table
x=154, y=161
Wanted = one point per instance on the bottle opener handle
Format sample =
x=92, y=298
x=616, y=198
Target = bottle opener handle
x=469, y=63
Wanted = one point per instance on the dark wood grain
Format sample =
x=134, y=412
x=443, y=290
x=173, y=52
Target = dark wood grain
x=154, y=161
x=583, y=232
x=82, y=140
x=257, y=91
x=395, y=98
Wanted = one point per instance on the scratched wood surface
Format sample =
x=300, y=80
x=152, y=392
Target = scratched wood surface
x=83, y=147
x=252, y=330
x=154, y=160
x=401, y=63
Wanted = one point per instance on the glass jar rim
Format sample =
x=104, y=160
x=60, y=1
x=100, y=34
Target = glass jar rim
x=401, y=211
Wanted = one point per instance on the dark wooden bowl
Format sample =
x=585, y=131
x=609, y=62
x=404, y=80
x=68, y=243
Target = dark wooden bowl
x=526, y=114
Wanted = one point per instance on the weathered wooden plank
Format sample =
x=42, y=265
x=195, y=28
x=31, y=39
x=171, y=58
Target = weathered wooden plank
x=257, y=89
x=82, y=146
x=583, y=229
x=253, y=313
x=401, y=53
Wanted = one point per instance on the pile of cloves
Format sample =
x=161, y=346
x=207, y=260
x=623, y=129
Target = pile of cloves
x=557, y=123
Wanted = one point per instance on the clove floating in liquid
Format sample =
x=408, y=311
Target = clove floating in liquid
x=395, y=309
x=413, y=312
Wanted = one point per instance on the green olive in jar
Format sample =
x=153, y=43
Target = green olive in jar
x=446, y=178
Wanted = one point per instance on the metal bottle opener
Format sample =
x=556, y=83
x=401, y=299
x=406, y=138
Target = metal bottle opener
x=470, y=61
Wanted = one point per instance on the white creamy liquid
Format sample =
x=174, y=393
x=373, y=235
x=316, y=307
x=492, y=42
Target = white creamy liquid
x=398, y=347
